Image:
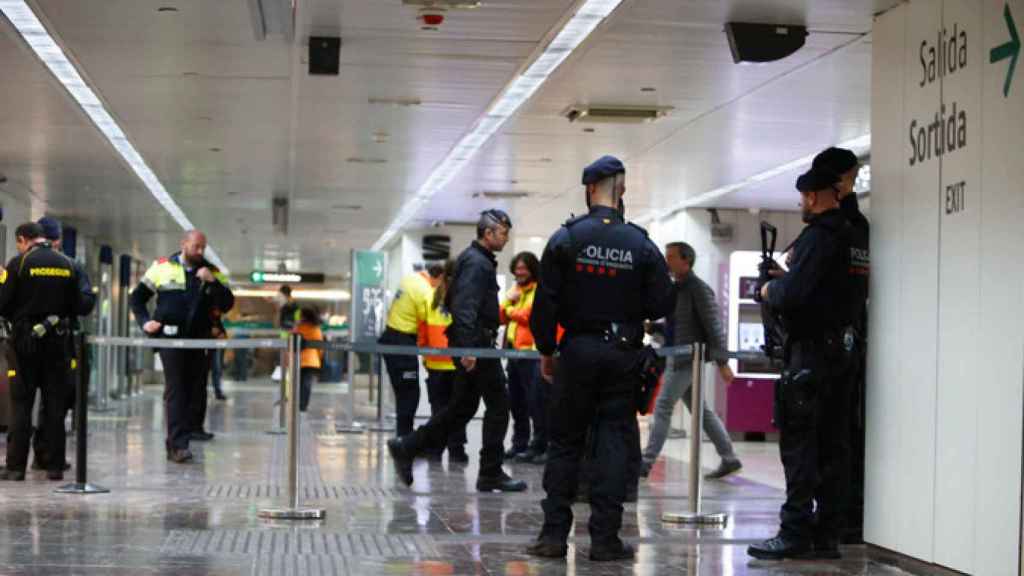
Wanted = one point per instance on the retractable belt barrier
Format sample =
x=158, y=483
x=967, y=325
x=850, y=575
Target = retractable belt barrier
x=290, y=383
x=370, y=348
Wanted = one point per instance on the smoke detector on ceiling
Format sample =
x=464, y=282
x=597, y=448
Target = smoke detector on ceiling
x=609, y=114
x=432, y=12
x=432, y=18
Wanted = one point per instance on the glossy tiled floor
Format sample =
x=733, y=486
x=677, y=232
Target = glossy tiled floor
x=163, y=518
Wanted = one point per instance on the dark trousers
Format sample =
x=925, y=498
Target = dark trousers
x=404, y=372
x=594, y=392
x=522, y=378
x=854, y=516
x=440, y=388
x=217, y=370
x=184, y=394
x=45, y=370
x=813, y=407
x=308, y=378
x=39, y=446
x=487, y=382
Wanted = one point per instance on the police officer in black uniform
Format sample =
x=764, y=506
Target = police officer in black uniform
x=472, y=298
x=845, y=165
x=53, y=233
x=812, y=399
x=39, y=293
x=600, y=279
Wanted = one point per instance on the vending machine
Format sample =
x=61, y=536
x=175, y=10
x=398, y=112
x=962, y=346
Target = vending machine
x=748, y=402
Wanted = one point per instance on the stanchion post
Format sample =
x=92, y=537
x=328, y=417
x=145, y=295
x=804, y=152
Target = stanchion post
x=281, y=428
x=381, y=425
x=294, y=511
x=350, y=426
x=696, y=479
x=81, y=484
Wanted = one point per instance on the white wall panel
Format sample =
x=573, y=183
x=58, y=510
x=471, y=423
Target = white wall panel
x=918, y=299
x=946, y=364
x=960, y=221
x=884, y=465
x=1000, y=374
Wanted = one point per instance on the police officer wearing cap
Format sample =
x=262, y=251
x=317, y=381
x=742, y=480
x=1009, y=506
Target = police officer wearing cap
x=812, y=398
x=601, y=278
x=53, y=233
x=187, y=289
x=845, y=164
x=472, y=298
x=39, y=294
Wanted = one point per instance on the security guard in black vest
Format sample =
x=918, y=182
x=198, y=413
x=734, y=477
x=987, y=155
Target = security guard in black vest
x=600, y=279
x=53, y=232
x=812, y=398
x=39, y=294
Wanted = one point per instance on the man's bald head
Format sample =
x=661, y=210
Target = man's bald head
x=193, y=244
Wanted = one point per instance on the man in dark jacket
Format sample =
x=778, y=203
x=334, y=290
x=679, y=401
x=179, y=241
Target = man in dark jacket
x=187, y=289
x=694, y=319
x=473, y=302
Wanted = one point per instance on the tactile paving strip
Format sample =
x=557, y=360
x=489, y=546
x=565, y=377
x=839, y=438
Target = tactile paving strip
x=276, y=543
x=301, y=566
x=308, y=492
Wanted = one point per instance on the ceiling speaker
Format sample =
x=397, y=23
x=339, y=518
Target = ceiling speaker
x=324, y=55
x=763, y=42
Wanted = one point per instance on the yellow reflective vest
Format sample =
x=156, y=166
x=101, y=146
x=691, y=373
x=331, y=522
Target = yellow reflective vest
x=409, y=309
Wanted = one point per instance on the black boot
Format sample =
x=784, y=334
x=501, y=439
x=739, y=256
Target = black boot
x=544, y=549
x=403, y=460
x=501, y=483
x=12, y=475
x=612, y=553
x=780, y=548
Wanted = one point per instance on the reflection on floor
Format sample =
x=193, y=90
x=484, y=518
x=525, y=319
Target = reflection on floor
x=163, y=518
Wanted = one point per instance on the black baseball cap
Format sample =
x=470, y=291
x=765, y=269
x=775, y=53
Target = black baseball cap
x=51, y=228
x=603, y=167
x=839, y=161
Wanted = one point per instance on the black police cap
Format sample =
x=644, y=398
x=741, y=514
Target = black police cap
x=603, y=167
x=51, y=227
x=839, y=161
x=816, y=179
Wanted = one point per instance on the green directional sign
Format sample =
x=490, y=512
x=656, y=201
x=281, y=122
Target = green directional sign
x=369, y=268
x=1009, y=50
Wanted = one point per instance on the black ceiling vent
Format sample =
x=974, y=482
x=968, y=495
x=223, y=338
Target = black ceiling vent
x=763, y=42
x=324, y=55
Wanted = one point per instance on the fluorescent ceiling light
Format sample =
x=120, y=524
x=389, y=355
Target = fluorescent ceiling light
x=38, y=38
x=859, y=146
x=588, y=16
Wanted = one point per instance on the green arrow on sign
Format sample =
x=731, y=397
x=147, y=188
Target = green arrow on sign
x=1009, y=50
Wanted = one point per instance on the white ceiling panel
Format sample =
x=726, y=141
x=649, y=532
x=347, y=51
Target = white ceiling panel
x=228, y=122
